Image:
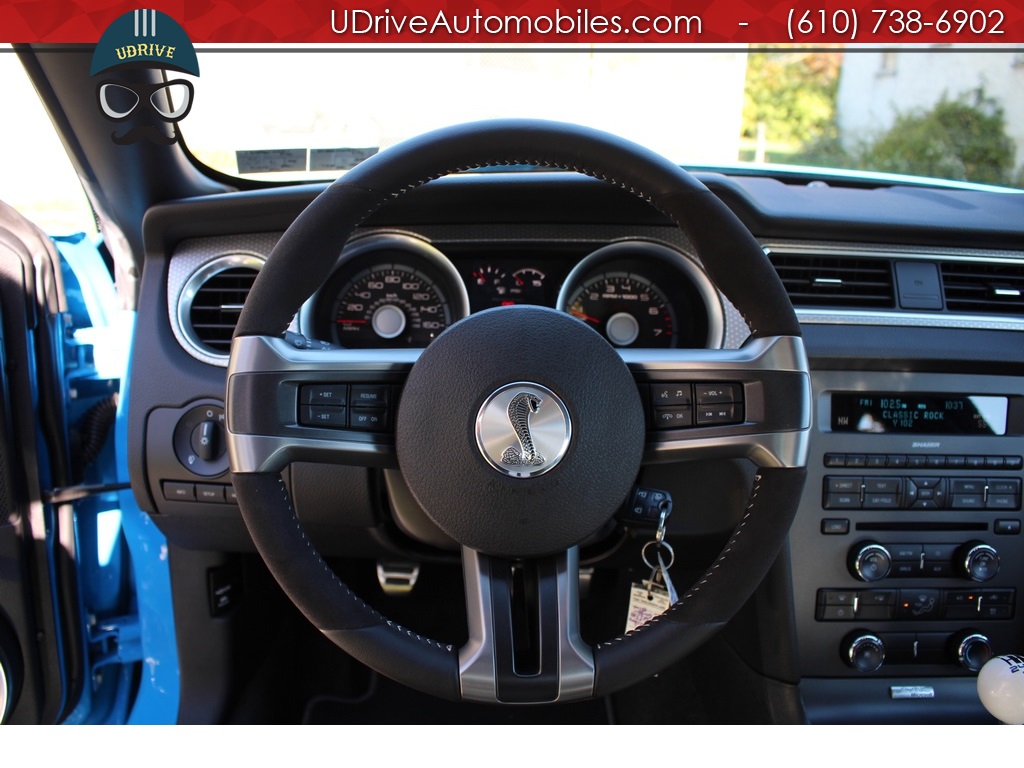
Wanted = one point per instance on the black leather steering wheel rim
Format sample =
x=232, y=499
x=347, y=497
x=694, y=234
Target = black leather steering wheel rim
x=304, y=257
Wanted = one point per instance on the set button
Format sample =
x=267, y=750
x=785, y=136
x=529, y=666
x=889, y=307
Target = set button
x=363, y=407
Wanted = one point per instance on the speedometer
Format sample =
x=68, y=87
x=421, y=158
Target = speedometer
x=389, y=305
x=388, y=290
x=628, y=309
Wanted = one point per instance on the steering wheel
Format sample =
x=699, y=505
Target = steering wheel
x=520, y=431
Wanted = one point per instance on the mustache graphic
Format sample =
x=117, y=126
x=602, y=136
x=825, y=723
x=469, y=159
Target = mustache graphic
x=147, y=132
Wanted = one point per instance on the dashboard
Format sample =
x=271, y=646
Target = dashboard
x=905, y=565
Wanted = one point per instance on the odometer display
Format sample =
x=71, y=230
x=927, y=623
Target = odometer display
x=629, y=310
x=389, y=305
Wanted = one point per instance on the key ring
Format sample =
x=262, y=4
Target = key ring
x=659, y=545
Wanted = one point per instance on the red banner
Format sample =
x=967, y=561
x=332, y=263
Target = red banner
x=459, y=22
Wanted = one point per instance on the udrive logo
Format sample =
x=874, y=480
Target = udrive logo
x=130, y=62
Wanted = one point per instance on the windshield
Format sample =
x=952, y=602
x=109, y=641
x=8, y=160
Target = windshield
x=934, y=111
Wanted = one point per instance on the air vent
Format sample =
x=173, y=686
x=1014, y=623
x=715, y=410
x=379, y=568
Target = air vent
x=211, y=302
x=989, y=287
x=834, y=281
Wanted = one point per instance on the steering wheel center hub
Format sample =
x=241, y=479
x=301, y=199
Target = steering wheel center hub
x=523, y=429
x=520, y=431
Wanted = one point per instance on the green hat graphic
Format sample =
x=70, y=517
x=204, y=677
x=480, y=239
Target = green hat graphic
x=148, y=38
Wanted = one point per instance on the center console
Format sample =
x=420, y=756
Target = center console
x=908, y=556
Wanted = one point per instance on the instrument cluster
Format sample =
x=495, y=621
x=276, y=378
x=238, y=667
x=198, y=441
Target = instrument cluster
x=398, y=290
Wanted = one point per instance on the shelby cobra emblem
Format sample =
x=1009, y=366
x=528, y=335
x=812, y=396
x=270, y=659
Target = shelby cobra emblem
x=523, y=429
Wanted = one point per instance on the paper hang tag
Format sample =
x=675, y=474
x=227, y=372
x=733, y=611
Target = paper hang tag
x=646, y=600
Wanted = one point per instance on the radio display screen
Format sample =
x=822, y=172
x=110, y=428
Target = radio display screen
x=918, y=413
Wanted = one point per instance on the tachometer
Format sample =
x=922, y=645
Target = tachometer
x=641, y=294
x=389, y=305
x=628, y=309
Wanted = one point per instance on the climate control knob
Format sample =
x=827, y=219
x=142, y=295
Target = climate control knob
x=870, y=562
x=864, y=652
x=978, y=561
x=972, y=649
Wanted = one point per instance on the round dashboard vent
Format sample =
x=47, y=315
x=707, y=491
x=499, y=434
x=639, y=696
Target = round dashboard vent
x=211, y=302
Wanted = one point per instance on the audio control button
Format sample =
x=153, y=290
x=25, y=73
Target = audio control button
x=967, y=485
x=870, y=562
x=843, y=484
x=968, y=501
x=905, y=551
x=881, y=501
x=882, y=484
x=843, y=501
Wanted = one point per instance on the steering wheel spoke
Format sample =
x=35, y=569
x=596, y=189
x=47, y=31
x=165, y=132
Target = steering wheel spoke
x=753, y=402
x=323, y=404
x=524, y=643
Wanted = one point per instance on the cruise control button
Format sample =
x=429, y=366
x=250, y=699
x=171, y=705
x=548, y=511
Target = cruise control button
x=371, y=419
x=322, y=416
x=323, y=394
x=368, y=395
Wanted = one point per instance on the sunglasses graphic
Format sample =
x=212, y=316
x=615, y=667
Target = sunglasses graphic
x=170, y=101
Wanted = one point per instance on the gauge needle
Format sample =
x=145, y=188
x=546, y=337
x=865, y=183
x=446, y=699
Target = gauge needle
x=584, y=316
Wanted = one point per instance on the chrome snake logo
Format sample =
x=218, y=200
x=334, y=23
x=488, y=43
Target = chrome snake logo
x=523, y=429
x=519, y=410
